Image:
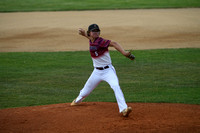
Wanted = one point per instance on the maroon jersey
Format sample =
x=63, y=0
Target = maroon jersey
x=98, y=47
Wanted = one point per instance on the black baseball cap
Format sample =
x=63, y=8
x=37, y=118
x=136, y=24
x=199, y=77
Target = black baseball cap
x=93, y=27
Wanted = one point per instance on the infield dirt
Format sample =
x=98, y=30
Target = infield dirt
x=133, y=29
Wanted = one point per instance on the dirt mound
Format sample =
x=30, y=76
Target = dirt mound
x=101, y=117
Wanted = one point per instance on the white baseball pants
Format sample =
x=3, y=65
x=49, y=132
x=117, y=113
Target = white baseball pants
x=108, y=75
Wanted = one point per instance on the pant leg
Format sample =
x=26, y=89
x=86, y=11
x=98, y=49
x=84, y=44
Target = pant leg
x=112, y=79
x=89, y=86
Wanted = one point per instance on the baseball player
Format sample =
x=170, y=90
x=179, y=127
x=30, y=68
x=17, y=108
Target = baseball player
x=103, y=68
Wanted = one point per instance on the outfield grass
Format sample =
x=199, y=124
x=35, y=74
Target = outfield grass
x=170, y=75
x=66, y=5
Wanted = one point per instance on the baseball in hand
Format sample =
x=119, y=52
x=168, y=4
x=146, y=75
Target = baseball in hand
x=81, y=32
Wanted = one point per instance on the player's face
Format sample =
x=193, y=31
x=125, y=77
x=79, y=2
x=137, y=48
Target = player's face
x=95, y=33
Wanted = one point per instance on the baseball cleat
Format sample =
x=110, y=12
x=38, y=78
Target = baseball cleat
x=74, y=103
x=126, y=111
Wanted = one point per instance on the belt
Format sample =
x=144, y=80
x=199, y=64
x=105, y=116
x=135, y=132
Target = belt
x=102, y=68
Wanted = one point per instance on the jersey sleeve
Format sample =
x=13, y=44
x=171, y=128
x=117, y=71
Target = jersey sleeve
x=104, y=43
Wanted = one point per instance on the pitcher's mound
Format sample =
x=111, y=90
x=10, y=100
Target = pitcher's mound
x=101, y=117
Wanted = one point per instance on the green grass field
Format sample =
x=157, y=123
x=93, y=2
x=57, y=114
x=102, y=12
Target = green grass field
x=39, y=78
x=66, y=5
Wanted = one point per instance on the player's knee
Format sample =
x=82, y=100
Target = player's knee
x=115, y=86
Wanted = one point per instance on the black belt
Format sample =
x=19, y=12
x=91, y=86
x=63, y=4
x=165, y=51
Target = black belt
x=102, y=68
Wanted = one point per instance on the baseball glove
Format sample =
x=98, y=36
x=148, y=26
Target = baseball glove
x=130, y=56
